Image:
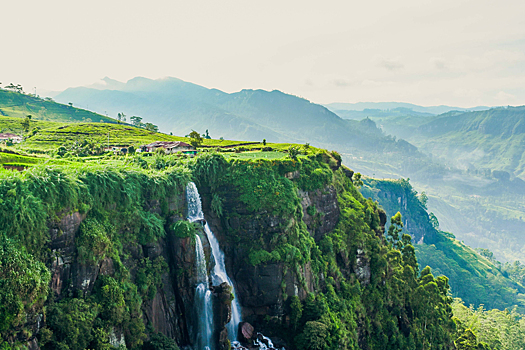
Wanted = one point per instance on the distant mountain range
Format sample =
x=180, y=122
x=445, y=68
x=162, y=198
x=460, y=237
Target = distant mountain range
x=342, y=109
x=449, y=152
x=493, y=139
x=179, y=107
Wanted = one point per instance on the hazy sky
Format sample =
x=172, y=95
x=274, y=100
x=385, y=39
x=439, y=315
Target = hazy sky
x=461, y=53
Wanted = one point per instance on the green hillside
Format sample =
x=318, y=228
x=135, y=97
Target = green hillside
x=14, y=104
x=86, y=141
x=473, y=278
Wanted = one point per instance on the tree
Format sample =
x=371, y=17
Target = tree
x=264, y=142
x=151, y=127
x=24, y=285
x=396, y=226
x=434, y=220
x=306, y=148
x=293, y=152
x=195, y=138
x=16, y=88
x=26, y=123
x=314, y=336
x=423, y=198
x=356, y=179
x=137, y=121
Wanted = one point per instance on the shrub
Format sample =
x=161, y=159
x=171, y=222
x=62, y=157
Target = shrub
x=23, y=284
x=216, y=204
x=183, y=229
x=293, y=152
x=158, y=341
x=313, y=337
x=92, y=242
x=71, y=322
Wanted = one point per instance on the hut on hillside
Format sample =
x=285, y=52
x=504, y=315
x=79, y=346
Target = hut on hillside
x=170, y=147
x=8, y=136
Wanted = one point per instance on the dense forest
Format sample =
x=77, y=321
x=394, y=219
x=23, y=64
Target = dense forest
x=357, y=289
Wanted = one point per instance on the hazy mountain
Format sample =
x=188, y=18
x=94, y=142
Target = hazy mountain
x=492, y=139
x=479, y=209
x=381, y=113
x=482, y=197
x=385, y=106
x=178, y=106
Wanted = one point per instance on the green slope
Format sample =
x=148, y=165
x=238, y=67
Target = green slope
x=14, y=104
x=472, y=277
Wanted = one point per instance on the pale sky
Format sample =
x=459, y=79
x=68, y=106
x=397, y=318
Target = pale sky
x=461, y=53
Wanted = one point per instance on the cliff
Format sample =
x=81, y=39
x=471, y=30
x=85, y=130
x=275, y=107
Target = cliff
x=305, y=252
x=473, y=278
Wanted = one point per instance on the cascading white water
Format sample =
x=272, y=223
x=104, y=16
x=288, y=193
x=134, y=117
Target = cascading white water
x=194, y=203
x=219, y=274
x=263, y=342
x=203, y=302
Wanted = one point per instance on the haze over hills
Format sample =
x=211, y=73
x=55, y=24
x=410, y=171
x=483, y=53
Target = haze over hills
x=482, y=200
x=385, y=106
x=177, y=106
x=464, y=197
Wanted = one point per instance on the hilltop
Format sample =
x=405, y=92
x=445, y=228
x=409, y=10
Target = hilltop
x=19, y=105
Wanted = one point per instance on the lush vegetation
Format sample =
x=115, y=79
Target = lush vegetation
x=474, y=278
x=396, y=307
x=19, y=105
x=32, y=199
x=479, y=328
x=368, y=291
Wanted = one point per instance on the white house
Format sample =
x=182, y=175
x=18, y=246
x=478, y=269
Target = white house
x=13, y=137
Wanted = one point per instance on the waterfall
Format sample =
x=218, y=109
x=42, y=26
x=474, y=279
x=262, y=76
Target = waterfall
x=219, y=274
x=203, y=302
x=263, y=342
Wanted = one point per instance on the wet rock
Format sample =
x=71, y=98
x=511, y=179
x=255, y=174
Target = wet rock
x=246, y=331
x=222, y=308
x=349, y=173
x=33, y=345
x=320, y=210
x=363, y=267
x=62, y=245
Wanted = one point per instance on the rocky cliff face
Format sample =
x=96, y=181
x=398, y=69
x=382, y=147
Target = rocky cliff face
x=268, y=253
x=398, y=195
